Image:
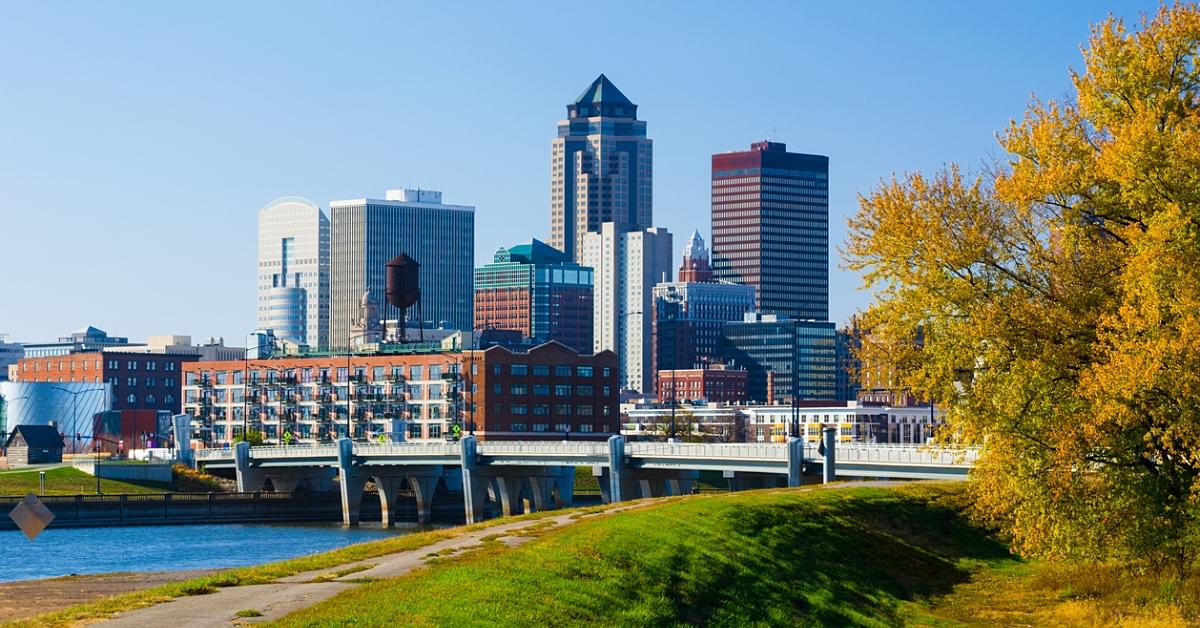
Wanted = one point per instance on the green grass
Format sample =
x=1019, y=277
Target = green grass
x=71, y=481
x=854, y=556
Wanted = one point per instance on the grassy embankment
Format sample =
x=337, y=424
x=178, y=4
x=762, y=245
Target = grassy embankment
x=853, y=556
x=71, y=481
x=856, y=556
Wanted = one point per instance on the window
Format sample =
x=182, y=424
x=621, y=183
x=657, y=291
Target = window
x=606, y=390
x=342, y=374
x=562, y=370
x=435, y=371
x=132, y=398
x=541, y=409
x=414, y=430
x=169, y=382
x=562, y=409
x=435, y=430
x=497, y=389
x=170, y=366
x=151, y=366
x=414, y=372
x=474, y=368
x=518, y=369
x=562, y=427
x=562, y=390
x=606, y=410
x=112, y=364
x=541, y=370
x=606, y=372
x=519, y=408
x=496, y=369
x=497, y=408
x=520, y=427
x=585, y=391
x=583, y=371
x=518, y=389
x=150, y=381
x=132, y=364
x=132, y=381
x=541, y=427
x=150, y=400
x=541, y=389
x=585, y=409
x=585, y=427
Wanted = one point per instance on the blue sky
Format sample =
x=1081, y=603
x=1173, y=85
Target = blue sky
x=139, y=140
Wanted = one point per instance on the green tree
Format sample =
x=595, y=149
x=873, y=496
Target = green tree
x=252, y=436
x=1057, y=298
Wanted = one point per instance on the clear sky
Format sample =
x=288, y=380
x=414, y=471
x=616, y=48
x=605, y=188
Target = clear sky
x=139, y=140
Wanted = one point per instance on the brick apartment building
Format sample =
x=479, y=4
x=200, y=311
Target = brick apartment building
x=140, y=381
x=548, y=392
x=717, y=383
x=409, y=395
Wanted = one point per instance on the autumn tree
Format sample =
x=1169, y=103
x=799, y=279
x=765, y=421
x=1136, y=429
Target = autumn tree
x=1058, y=299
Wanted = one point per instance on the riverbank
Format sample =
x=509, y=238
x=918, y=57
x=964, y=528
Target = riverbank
x=24, y=599
x=841, y=555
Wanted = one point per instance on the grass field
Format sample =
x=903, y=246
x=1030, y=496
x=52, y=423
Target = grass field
x=852, y=556
x=70, y=481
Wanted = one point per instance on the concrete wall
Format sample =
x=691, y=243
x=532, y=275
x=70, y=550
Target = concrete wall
x=128, y=472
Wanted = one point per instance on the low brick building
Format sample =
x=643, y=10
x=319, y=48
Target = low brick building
x=140, y=381
x=549, y=392
x=717, y=383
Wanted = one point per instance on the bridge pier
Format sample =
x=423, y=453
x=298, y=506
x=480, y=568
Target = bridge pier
x=474, y=487
x=181, y=427
x=352, y=482
x=288, y=480
x=248, y=479
x=795, y=461
x=829, y=465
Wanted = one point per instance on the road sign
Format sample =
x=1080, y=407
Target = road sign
x=31, y=516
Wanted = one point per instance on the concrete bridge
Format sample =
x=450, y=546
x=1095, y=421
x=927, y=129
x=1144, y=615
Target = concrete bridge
x=540, y=475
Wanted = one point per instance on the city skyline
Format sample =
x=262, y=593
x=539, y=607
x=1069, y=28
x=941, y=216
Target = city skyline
x=162, y=160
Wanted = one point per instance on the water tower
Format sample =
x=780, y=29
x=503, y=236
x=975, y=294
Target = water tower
x=404, y=290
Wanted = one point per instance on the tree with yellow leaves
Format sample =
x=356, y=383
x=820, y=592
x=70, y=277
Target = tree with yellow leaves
x=1058, y=302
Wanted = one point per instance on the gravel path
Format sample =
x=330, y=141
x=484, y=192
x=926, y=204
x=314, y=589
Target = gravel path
x=272, y=601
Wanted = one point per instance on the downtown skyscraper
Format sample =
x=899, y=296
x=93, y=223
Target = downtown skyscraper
x=601, y=169
x=770, y=227
x=368, y=232
x=293, y=271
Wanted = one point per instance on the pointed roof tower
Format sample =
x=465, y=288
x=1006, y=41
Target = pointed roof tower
x=695, y=267
x=602, y=98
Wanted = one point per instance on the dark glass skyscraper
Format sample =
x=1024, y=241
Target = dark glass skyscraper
x=601, y=168
x=770, y=227
x=784, y=358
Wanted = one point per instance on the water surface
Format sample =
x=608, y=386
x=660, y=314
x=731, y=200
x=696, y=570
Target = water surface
x=65, y=551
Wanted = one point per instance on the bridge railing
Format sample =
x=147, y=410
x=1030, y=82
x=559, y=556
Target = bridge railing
x=542, y=448
x=739, y=451
x=293, y=451
x=911, y=454
x=406, y=449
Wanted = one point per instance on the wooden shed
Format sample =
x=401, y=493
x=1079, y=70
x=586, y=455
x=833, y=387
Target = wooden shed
x=33, y=444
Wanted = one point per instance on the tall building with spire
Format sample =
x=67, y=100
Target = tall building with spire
x=690, y=314
x=601, y=169
x=770, y=227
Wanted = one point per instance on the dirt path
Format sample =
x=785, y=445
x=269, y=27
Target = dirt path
x=27, y=598
x=272, y=601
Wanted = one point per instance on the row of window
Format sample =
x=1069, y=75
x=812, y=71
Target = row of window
x=151, y=400
x=543, y=370
x=543, y=409
x=543, y=390
x=585, y=428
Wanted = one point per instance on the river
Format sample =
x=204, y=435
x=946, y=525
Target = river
x=66, y=551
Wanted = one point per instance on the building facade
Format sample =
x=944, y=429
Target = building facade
x=136, y=381
x=785, y=359
x=367, y=233
x=293, y=271
x=10, y=353
x=84, y=340
x=537, y=290
x=601, y=168
x=690, y=314
x=627, y=264
x=770, y=227
x=401, y=396
x=717, y=383
x=549, y=392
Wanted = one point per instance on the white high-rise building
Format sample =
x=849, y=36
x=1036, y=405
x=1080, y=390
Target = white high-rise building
x=293, y=271
x=627, y=266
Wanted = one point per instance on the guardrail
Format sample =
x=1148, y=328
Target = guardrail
x=764, y=452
